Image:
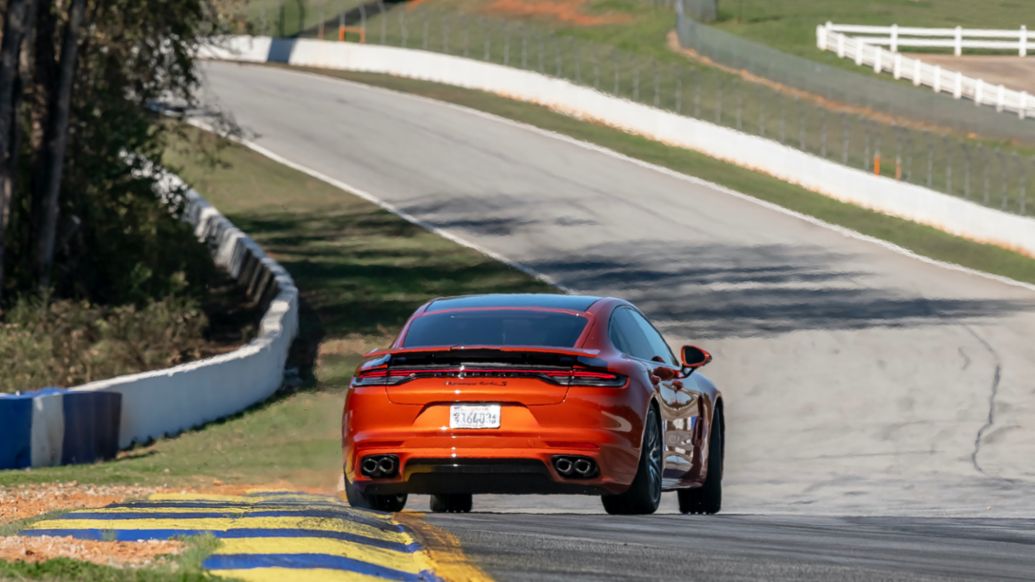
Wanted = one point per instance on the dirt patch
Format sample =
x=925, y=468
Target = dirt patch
x=27, y=501
x=566, y=11
x=38, y=549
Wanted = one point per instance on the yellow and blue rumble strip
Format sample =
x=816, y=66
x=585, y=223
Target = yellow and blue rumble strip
x=263, y=535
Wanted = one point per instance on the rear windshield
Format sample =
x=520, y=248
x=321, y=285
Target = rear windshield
x=515, y=327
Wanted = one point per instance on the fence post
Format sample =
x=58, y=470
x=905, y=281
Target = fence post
x=841, y=45
x=679, y=93
x=916, y=71
x=957, y=91
x=506, y=46
x=1022, y=48
x=524, y=48
x=877, y=64
x=382, y=12
x=897, y=67
x=403, y=32
x=1024, y=188
x=821, y=37
x=958, y=49
x=937, y=79
x=966, y=172
x=894, y=38
x=844, y=139
x=930, y=164
x=1004, y=183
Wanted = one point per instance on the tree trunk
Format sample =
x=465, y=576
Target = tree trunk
x=56, y=142
x=16, y=25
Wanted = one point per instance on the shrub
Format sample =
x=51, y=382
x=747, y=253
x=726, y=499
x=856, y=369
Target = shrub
x=66, y=342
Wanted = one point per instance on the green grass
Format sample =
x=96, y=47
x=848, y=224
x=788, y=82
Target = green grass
x=289, y=17
x=790, y=25
x=921, y=239
x=360, y=270
x=182, y=567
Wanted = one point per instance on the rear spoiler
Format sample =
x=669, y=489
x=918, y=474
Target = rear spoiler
x=577, y=353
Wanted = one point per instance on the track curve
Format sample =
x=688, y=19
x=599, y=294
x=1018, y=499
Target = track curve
x=859, y=380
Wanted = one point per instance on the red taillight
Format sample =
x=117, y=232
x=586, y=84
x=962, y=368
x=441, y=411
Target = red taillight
x=594, y=378
x=381, y=376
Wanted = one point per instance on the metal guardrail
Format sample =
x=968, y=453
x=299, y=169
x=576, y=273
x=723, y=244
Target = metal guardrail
x=864, y=52
x=1018, y=41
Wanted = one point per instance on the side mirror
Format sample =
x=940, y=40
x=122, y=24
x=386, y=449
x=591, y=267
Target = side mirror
x=694, y=358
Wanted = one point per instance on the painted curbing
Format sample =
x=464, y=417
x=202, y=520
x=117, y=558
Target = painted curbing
x=948, y=213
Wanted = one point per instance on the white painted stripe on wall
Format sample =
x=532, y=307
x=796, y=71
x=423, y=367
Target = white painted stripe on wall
x=47, y=434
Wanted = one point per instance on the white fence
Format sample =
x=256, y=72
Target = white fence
x=1017, y=41
x=866, y=53
x=167, y=402
x=884, y=194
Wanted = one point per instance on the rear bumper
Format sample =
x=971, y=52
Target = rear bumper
x=602, y=424
x=510, y=476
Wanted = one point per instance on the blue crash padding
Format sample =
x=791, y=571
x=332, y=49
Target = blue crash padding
x=91, y=426
x=15, y=431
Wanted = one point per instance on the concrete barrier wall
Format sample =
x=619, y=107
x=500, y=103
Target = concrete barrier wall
x=166, y=402
x=94, y=421
x=858, y=187
x=55, y=426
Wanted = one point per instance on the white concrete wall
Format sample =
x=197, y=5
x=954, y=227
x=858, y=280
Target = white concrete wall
x=166, y=402
x=882, y=194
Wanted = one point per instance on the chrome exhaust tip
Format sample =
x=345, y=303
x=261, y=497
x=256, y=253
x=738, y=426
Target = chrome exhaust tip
x=370, y=467
x=583, y=467
x=379, y=466
x=563, y=465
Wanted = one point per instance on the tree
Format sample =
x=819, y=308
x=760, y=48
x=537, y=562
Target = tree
x=16, y=26
x=84, y=221
x=56, y=142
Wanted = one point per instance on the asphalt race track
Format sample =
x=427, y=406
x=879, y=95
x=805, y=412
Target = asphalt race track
x=859, y=381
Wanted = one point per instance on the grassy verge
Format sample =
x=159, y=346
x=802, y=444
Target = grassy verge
x=183, y=567
x=923, y=240
x=791, y=26
x=361, y=272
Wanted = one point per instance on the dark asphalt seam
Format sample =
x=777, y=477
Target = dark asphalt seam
x=990, y=419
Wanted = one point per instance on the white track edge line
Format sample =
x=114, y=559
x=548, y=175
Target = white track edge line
x=348, y=188
x=843, y=231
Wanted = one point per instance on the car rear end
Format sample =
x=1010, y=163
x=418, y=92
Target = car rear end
x=491, y=401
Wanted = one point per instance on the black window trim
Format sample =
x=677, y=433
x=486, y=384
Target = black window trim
x=610, y=327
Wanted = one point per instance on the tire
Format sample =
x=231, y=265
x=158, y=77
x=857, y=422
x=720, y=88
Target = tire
x=707, y=499
x=452, y=503
x=644, y=495
x=361, y=500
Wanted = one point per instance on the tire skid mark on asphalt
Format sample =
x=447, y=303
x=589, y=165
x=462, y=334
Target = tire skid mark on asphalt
x=263, y=535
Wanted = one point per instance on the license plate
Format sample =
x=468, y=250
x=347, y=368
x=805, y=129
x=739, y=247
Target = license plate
x=474, y=416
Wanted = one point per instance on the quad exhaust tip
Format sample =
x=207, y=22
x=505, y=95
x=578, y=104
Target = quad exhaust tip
x=575, y=467
x=379, y=466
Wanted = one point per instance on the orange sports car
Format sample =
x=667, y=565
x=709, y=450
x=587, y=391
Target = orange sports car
x=532, y=394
